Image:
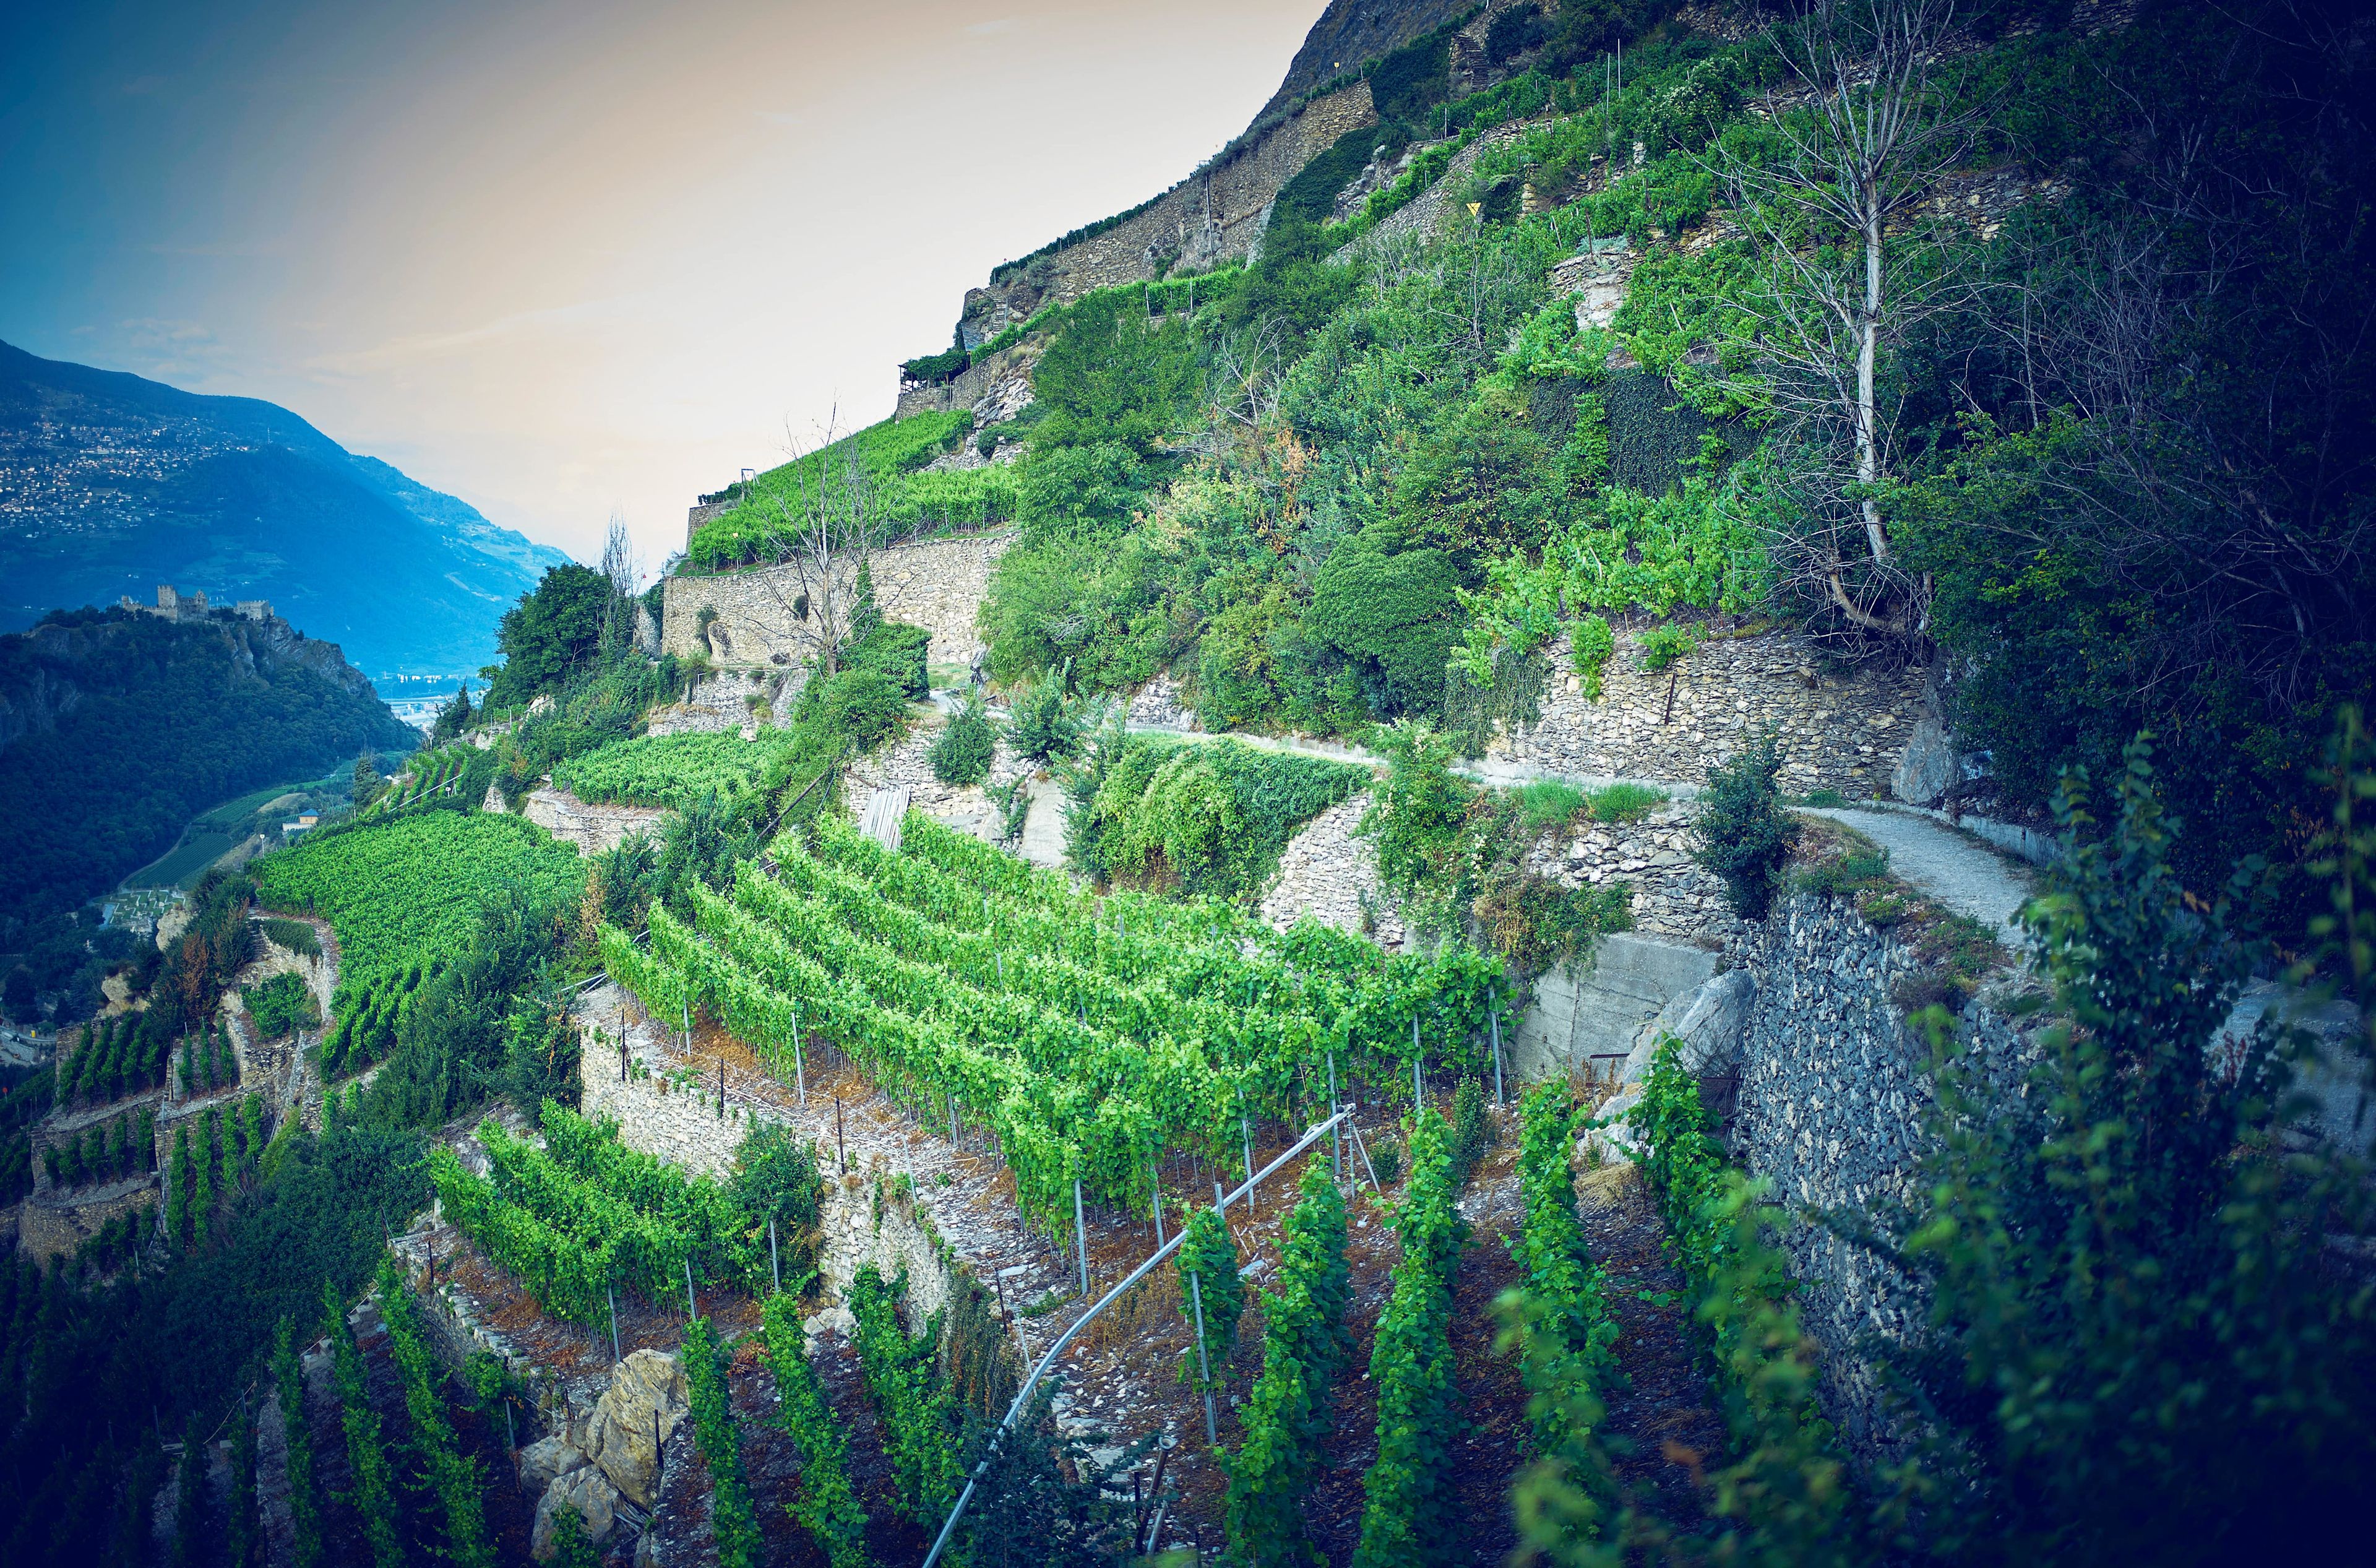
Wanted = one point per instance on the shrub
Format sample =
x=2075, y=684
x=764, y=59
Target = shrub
x=1744, y=836
x=866, y=707
x=1211, y=1258
x=1534, y=922
x=962, y=751
x=296, y=936
x=1288, y=1415
x=1663, y=643
x=282, y=1004
x=1395, y=616
x=1593, y=641
x=897, y=650
x=1046, y=727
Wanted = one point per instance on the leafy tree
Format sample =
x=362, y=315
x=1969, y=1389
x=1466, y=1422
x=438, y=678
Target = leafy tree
x=1744, y=835
x=1046, y=729
x=551, y=634
x=1115, y=375
x=1396, y=615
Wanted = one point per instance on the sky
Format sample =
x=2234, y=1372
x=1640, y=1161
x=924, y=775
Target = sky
x=564, y=260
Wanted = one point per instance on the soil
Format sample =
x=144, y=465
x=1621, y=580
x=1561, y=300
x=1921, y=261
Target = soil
x=1121, y=1379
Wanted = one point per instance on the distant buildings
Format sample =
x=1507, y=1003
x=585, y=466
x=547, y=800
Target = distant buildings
x=174, y=605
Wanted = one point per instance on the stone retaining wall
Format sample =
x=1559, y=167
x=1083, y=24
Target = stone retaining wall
x=937, y=584
x=1837, y=731
x=589, y=827
x=1834, y=1088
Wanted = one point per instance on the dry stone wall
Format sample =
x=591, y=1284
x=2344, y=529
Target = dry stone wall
x=937, y=584
x=1839, y=731
x=1833, y=1091
x=589, y=827
x=1215, y=216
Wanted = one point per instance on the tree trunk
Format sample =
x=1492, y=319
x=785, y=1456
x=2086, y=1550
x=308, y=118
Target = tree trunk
x=1868, y=344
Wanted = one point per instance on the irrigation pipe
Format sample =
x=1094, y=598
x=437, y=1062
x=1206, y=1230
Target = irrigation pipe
x=1023, y=1395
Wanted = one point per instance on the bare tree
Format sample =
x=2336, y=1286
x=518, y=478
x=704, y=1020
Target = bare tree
x=1866, y=131
x=825, y=524
x=619, y=567
x=1249, y=372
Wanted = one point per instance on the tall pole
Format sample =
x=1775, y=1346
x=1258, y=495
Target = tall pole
x=1339, y=1138
x=1081, y=1235
x=1155, y=1173
x=774, y=1268
x=1419, y=1090
x=800, y=1071
x=1493, y=1019
x=1245, y=1130
x=1204, y=1368
x=612, y=1295
x=690, y=1310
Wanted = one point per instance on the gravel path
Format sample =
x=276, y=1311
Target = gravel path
x=1943, y=864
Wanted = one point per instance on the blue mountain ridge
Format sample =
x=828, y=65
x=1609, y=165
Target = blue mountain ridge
x=112, y=483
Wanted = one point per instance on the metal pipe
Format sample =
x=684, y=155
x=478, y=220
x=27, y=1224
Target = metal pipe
x=1204, y=1366
x=800, y=1070
x=1023, y=1394
x=610, y=1295
x=774, y=1268
x=1081, y=1235
x=1339, y=1149
x=1419, y=1091
x=690, y=1310
x=1156, y=1171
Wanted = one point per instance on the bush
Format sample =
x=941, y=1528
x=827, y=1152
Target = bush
x=282, y=1005
x=1046, y=729
x=1744, y=836
x=1663, y=643
x=866, y=707
x=962, y=751
x=1211, y=815
x=1625, y=802
x=1545, y=801
x=1395, y=616
x=895, y=650
x=295, y=937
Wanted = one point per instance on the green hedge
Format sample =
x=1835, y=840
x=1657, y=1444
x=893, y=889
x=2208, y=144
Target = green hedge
x=1210, y=817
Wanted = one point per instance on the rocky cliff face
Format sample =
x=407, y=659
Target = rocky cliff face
x=43, y=676
x=1351, y=32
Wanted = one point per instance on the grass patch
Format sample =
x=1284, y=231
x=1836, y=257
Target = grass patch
x=1625, y=802
x=1547, y=800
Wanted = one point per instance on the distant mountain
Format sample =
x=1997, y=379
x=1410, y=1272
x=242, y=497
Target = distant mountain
x=111, y=485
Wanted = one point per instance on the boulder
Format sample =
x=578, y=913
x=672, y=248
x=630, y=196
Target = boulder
x=585, y=1490
x=647, y=1394
x=1928, y=768
x=1710, y=1020
x=546, y=1460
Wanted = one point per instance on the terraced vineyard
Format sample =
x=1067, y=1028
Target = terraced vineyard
x=1089, y=1036
x=676, y=771
x=405, y=898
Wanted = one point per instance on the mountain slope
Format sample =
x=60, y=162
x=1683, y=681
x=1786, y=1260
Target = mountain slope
x=111, y=485
x=115, y=728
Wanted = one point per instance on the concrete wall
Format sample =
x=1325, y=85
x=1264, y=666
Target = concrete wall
x=1599, y=1010
x=937, y=584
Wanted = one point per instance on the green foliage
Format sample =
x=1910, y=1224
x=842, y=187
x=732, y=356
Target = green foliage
x=1208, y=817
x=168, y=721
x=1665, y=643
x=866, y=707
x=1625, y=802
x=1114, y=373
x=408, y=895
x=1535, y=923
x=1569, y=1339
x=1287, y=1416
x=1408, y=1484
x=733, y=1526
x=827, y=1506
x=453, y=1476
x=1395, y=615
x=671, y=770
x=881, y=460
x=1420, y=809
x=296, y=936
x=1209, y=1257
x=371, y=1489
x=1472, y=1132
x=551, y=634
x=775, y=1178
x=1047, y=728
x=283, y=1003
x=2136, y=1335
x=1592, y=642
x=1545, y=801
x=1744, y=835
x=1787, y=1484
x=915, y=1405
x=963, y=749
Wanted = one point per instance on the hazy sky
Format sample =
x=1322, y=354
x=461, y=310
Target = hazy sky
x=563, y=258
